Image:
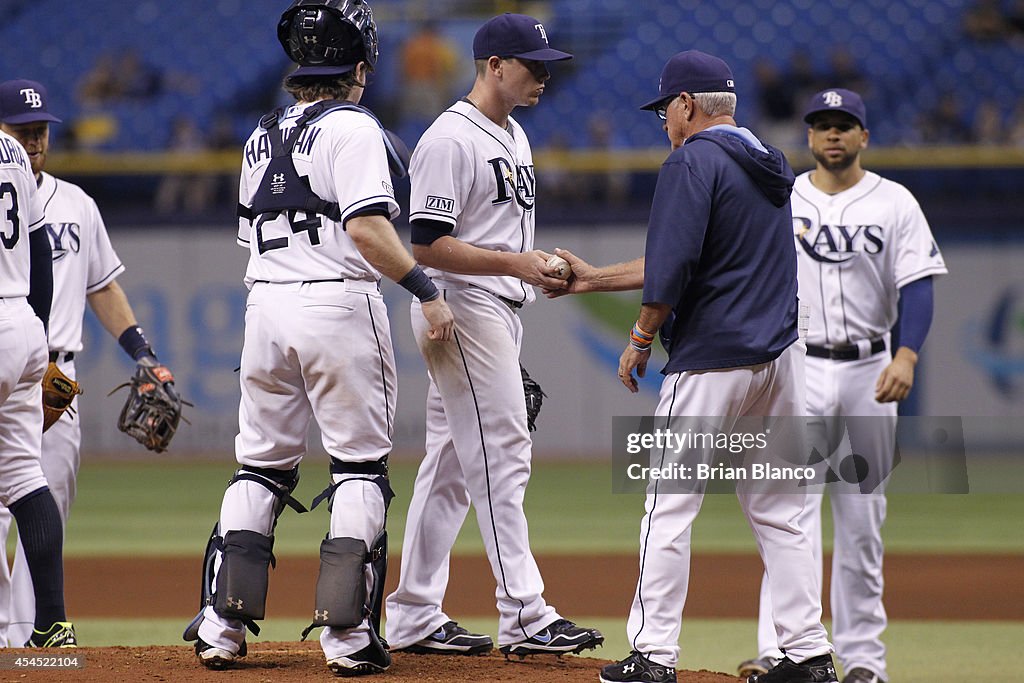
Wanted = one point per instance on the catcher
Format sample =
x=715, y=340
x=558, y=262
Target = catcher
x=85, y=268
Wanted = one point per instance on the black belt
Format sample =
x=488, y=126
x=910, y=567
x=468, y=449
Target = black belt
x=59, y=356
x=305, y=282
x=514, y=305
x=844, y=351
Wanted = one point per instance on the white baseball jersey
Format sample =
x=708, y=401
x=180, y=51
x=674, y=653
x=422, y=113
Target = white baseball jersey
x=83, y=262
x=477, y=177
x=855, y=249
x=472, y=174
x=313, y=247
x=315, y=347
x=22, y=339
x=83, y=259
x=20, y=214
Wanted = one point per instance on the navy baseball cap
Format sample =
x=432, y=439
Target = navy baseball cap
x=692, y=71
x=23, y=101
x=515, y=35
x=837, y=99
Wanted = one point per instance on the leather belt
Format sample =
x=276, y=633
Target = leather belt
x=844, y=351
x=60, y=356
x=305, y=282
x=514, y=305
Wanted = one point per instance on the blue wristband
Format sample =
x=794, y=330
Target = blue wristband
x=133, y=341
x=421, y=286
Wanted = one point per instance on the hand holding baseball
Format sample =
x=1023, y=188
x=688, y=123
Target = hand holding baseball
x=532, y=267
x=558, y=267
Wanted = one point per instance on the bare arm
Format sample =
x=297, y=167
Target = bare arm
x=377, y=241
x=455, y=256
x=612, y=278
x=112, y=308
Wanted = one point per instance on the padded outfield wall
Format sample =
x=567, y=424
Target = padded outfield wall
x=186, y=288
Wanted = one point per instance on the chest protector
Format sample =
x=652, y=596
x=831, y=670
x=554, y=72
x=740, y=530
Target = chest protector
x=283, y=189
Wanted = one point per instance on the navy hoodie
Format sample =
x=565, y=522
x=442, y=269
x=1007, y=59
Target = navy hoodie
x=720, y=252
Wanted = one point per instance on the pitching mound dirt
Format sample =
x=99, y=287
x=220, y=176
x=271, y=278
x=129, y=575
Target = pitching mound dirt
x=303, y=662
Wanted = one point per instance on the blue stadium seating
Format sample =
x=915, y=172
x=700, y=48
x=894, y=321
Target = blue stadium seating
x=911, y=51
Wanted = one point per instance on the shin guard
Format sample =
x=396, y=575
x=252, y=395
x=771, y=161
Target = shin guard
x=242, y=580
x=341, y=586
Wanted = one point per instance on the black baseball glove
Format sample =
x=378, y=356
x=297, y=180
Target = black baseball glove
x=534, y=398
x=153, y=409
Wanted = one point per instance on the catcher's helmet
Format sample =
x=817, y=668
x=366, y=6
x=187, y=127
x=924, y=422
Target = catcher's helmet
x=328, y=37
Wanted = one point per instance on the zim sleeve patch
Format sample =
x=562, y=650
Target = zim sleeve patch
x=443, y=204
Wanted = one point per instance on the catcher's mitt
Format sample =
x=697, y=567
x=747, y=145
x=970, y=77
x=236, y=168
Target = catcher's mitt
x=59, y=391
x=153, y=409
x=534, y=398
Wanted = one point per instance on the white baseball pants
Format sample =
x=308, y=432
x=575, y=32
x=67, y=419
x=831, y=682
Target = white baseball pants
x=844, y=391
x=478, y=449
x=769, y=389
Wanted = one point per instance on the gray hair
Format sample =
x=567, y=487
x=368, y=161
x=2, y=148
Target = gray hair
x=716, y=103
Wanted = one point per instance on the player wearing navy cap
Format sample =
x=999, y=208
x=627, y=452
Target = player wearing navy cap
x=865, y=254
x=719, y=273
x=472, y=211
x=85, y=269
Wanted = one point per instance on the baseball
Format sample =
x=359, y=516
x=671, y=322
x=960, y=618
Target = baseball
x=561, y=267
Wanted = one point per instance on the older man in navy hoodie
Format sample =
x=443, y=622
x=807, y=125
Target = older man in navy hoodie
x=719, y=281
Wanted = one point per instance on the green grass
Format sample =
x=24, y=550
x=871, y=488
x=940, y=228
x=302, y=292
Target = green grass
x=919, y=652
x=167, y=507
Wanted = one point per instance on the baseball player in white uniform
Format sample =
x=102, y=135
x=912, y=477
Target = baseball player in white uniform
x=472, y=215
x=84, y=269
x=865, y=253
x=26, y=287
x=317, y=343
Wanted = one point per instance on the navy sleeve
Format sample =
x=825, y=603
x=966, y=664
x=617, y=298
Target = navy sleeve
x=371, y=210
x=40, y=287
x=426, y=231
x=680, y=213
x=917, y=302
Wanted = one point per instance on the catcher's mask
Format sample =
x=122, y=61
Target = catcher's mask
x=328, y=37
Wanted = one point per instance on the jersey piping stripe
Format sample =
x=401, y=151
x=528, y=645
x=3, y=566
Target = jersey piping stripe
x=459, y=113
x=447, y=218
x=522, y=227
x=842, y=295
x=842, y=304
x=383, y=372
x=650, y=524
x=821, y=267
x=853, y=201
x=522, y=246
x=102, y=282
x=366, y=202
x=821, y=293
x=487, y=477
x=921, y=274
x=53, y=193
